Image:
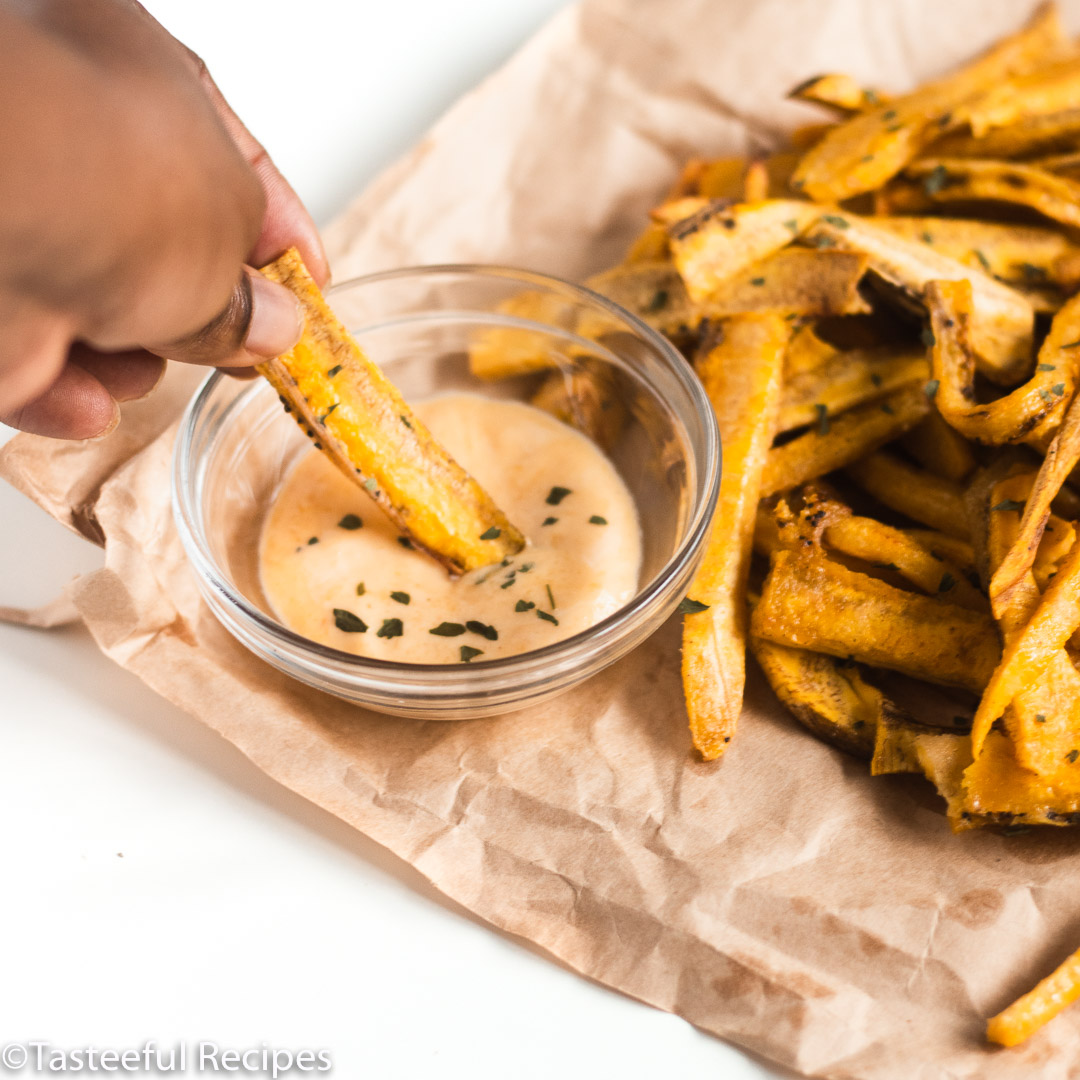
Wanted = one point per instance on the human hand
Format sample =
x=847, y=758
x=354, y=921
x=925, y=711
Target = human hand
x=137, y=203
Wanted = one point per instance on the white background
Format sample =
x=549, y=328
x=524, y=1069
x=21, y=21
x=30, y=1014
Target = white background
x=154, y=883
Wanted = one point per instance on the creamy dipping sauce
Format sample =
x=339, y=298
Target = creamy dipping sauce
x=332, y=563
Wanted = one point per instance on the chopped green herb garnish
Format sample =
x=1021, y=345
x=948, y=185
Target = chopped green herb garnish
x=1045, y=394
x=793, y=225
x=361, y=589
x=927, y=337
x=935, y=180
x=885, y=566
x=1071, y=344
x=866, y=157
x=333, y=371
x=485, y=631
x=931, y=388
x=1032, y=272
x=390, y=628
x=1058, y=388
x=468, y=652
x=984, y=262
x=350, y=522
x=596, y=519
x=1040, y=718
x=1047, y=367
x=822, y=419
x=524, y=605
x=887, y=408
x=823, y=241
x=370, y=484
x=691, y=607
x=871, y=97
x=350, y=623
x=551, y=597
x=406, y=543
x=549, y=521
x=658, y=301
x=406, y=421
x=875, y=378
x=313, y=540
x=757, y=281
x=401, y=597
x=447, y=629
x=894, y=127
x=491, y=534
x=511, y=578
x=525, y=567
x=546, y=617
x=946, y=583
x=1072, y=755
x=1008, y=504
x=329, y=411
x=927, y=237
x=837, y=220
x=889, y=114
x=556, y=495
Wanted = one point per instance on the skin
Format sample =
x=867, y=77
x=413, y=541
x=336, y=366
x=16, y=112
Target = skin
x=133, y=206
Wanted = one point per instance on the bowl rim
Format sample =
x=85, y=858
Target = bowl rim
x=608, y=631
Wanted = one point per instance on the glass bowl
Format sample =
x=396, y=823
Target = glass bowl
x=236, y=445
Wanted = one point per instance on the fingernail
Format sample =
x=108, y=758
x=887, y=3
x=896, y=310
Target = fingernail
x=113, y=424
x=146, y=393
x=276, y=323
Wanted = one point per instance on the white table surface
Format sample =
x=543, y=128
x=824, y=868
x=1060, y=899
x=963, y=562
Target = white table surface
x=155, y=884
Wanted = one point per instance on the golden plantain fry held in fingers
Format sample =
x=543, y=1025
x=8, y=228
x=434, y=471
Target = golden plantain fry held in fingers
x=357, y=418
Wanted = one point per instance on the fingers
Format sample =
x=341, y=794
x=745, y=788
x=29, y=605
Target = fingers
x=286, y=222
x=128, y=376
x=261, y=320
x=33, y=349
x=76, y=406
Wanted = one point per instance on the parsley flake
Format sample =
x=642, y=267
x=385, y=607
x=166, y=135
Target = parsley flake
x=524, y=605
x=401, y=597
x=361, y=589
x=927, y=337
x=549, y=521
x=447, y=629
x=1008, y=504
x=556, y=495
x=658, y=301
x=390, y=628
x=551, y=597
x=333, y=371
x=547, y=617
x=822, y=419
x=370, y=484
x=1047, y=367
x=935, y=180
x=350, y=623
x=984, y=262
x=793, y=225
x=351, y=522
x=406, y=543
x=931, y=388
x=1040, y=718
x=596, y=519
x=757, y=281
x=1072, y=755
x=312, y=540
x=836, y=220
x=491, y=534
x=691, y=607
x=482, y=629
x=1058, y=388
x=322, y=419
x=946, y=583
x=468, y=653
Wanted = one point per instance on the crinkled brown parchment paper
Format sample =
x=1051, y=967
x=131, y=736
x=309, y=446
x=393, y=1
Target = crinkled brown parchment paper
x=781, y=899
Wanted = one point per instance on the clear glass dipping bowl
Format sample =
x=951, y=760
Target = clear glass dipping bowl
x=236, y=445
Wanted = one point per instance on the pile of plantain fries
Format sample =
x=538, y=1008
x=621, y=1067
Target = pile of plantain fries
x=886, y=320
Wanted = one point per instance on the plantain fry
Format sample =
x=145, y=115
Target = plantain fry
x=720, y=178
x=1038, y=1006
x=1028, y=137
x=346, y=404
x=1024, y=256
x=943, y=546
x=1003, y=320
x=866, y=150
x=847, y=379
x=1061, y=458
x=921, y=495
x=811, y=602
x=939, y=448
x=719, y=241
x=796, y=282
x=1048, y=91
x=845, y=440
x=884, y=546
x=651, y=290
x=840, y=93
x=1037, y=406
x=742, y=376
x=828, y=697
x=945, y=180
x=1028, y=653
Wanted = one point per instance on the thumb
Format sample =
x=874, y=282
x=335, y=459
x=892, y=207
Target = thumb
x=261, y=320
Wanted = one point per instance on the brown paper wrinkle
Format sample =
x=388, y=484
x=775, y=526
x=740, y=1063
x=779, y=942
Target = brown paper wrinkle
x=784, y=900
